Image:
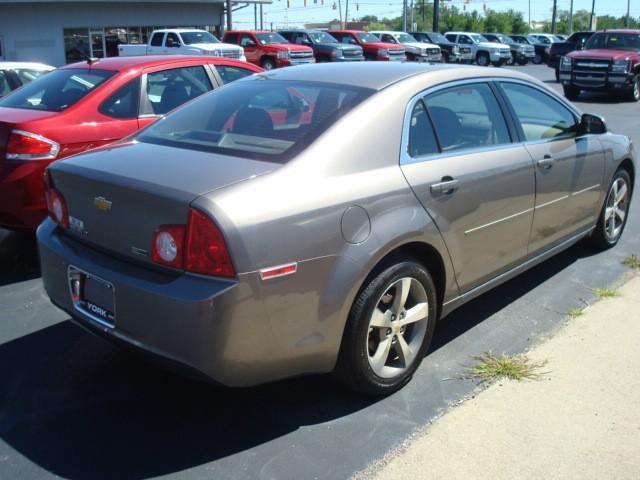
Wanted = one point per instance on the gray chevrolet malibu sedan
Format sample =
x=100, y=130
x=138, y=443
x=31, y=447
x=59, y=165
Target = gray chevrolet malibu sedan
x=323, y=218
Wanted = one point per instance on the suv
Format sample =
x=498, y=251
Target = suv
x=373, y=48
x=576, y=41
x=451, y=52
x=610, y=62
x=520, y=53
x=414, y=50
x=325, y=47
x=269, y=50
x=541, y=51
x=484, y=52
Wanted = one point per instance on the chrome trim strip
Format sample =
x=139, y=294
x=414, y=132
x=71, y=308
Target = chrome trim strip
x=490, y=224
x=592, y=187
x=86, y=313
x=542, y=205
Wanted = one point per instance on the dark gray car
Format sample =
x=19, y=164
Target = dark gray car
x=521, y=53
x=325, y=47
x=323, y=218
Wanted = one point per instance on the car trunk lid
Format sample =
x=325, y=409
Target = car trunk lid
x=118, y=196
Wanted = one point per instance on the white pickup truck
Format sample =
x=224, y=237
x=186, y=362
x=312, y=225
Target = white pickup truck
x=183, y=42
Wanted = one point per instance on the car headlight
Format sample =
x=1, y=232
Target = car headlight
x=383, y=52
x=620, y=66
x=565, y=64
x=283, y=54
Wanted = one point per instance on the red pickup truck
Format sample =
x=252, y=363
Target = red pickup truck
x=269, y=50
x=371, y=45
x=610, y=62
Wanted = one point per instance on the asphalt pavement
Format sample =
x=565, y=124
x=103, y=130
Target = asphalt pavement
x=73, y=406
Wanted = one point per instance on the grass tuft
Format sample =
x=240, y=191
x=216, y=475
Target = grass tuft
x=632, y=262
x=514, y=367
x=605, y=292
x=575, y=312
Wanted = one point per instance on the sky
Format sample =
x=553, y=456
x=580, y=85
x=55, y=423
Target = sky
x=322, y=11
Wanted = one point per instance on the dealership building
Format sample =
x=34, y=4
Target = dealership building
x=63, y=31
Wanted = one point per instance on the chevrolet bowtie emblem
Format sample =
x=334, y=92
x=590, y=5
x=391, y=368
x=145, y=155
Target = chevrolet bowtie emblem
x=102, y=203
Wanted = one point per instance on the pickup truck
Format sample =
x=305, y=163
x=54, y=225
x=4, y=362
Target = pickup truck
x=610, y=62
x=183, y=42
x=415, y=50
x=373, y=47
x=520, y=53
x=325, y=47
x=576, y=41
x=484, y=52
x=451, y=52
x=269, y=50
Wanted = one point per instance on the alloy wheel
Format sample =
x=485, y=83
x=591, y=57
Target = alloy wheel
x=397, y=327
x=616, y=210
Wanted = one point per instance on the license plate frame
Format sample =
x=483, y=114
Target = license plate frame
x=92, y=296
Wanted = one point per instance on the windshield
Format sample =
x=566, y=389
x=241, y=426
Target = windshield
x=367, y=38
x=614, y=41
x=438, y=38
x=533, y=40
x=503, y=38
x=57, y=90
x=192, y=38
x=405, y=38
x=477, y=38
x=322, y=37
x=265, y=120
x=271, y=38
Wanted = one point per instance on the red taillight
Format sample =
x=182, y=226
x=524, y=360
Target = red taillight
x=30, y=146
x=207, y=251
x=56, y=204
x=198, y=248
x=168, y=246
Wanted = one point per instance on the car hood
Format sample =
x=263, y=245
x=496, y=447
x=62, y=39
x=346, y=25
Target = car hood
x=292, y=47
x=382, y=45
x=212, y=47
x=420, y=45
x=602, y=53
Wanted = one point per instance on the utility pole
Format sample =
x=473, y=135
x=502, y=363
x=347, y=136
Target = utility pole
x=626, y=20
x=255, y=16
x=346, y=14
x=553, y=16
x=229, y=15
x=593, y=11
x=571, y=18
x=411, y=16
x=261, y=18
x=529, y=15
x=340, y=13
x=404, y=15
x=436, y=15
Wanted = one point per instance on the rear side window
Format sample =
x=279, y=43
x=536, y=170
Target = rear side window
x=467, y=117
x=422, y=140
x=229, y=73
x=169, y=89
x=270, y=121
x=27, y=75
x=231, y=38
x=156, y=40
x=124, y=103
x=540, y=116
x=4, y=83
x=57, y=90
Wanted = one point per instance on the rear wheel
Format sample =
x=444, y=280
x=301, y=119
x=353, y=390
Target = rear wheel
x=482, y=59
x=268, y=63
x=537, y=59
x=522, y=61
x=512, y=59
x=557, y=74
x=615, y=211
x=445, y=57
x=572, y=93
x=389, y=330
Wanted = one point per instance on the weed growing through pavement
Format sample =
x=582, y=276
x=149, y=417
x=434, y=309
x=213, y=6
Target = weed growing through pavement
x=605, y=292
x=632, y=262
x=515, y=367
x=575, y=312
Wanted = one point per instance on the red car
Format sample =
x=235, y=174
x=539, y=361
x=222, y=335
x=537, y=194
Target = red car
x=87, y=105
x=269, y=49
x=371, y=45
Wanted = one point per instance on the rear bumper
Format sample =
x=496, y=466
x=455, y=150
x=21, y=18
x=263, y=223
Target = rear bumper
x=22, y=205
x=217, y=327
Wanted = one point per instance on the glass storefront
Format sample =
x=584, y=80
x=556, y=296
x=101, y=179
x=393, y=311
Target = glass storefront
x=83, y=43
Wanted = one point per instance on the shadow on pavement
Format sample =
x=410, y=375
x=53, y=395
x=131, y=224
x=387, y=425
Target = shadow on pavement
x=18, y=257
x=80, y=408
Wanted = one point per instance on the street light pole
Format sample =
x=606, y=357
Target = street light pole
x=436, y=15
x=571, y=18
x=404, y=15
x=593, y=11
x=553, y=16
x=626, y=20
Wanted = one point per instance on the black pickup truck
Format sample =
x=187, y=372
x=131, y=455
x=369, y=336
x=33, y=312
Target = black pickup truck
x=558, y=50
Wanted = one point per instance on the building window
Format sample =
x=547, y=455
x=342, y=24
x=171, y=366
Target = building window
x=76, y=44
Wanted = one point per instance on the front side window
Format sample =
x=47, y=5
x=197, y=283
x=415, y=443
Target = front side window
x=540, y=116
x=195, y=37
x=385, y=37
x=156, y=39
x=229, y=73
x=271, y=120
x=466, y=40
x=322, y=37
x=247, y=41
x=367, y=38
x=271, y=38
x=124, y=103
x=467, y=117
x=169, y=89
x=57, y=90
x=422, y=140
x=172, y=40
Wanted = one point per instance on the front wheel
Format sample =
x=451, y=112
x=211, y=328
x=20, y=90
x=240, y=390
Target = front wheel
x=389, y=330
x=557, y=74
x=499, y=63
x=445, y=57
x=522, y=61
x=537, y=59
x=268, y=63
x=634, y=94
x=572, y=93
x=615, y=211
x=482, y=59
x=512, y=59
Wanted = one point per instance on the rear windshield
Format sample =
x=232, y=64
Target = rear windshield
x=260, y=119
x=57, y=90
x=192, y=38
x=614, y=41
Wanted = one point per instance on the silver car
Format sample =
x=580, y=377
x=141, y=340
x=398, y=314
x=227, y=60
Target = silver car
x=323, y=218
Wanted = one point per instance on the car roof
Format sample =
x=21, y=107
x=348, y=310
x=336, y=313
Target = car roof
x=144, y=61
x=180, y=30
x=346, y=31
x=379, y=75
x=619, y=30
x=32, y=65
x=249, y=31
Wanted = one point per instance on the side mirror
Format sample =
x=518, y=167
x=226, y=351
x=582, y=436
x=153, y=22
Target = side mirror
x=590, y=123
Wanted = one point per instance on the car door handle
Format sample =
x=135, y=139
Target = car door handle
x=545, y=163
x=447, y=186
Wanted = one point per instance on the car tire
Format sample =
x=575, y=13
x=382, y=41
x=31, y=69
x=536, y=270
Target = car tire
x=268, y=63
x=445, y=57
x=557, y=74
x=498, y=64
x=634, y=93
x=615, y=212
x=482, y=59
x=537, y=60
x=377, y=335
x=512, y=60
x=522, y=61
x=572, y=93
